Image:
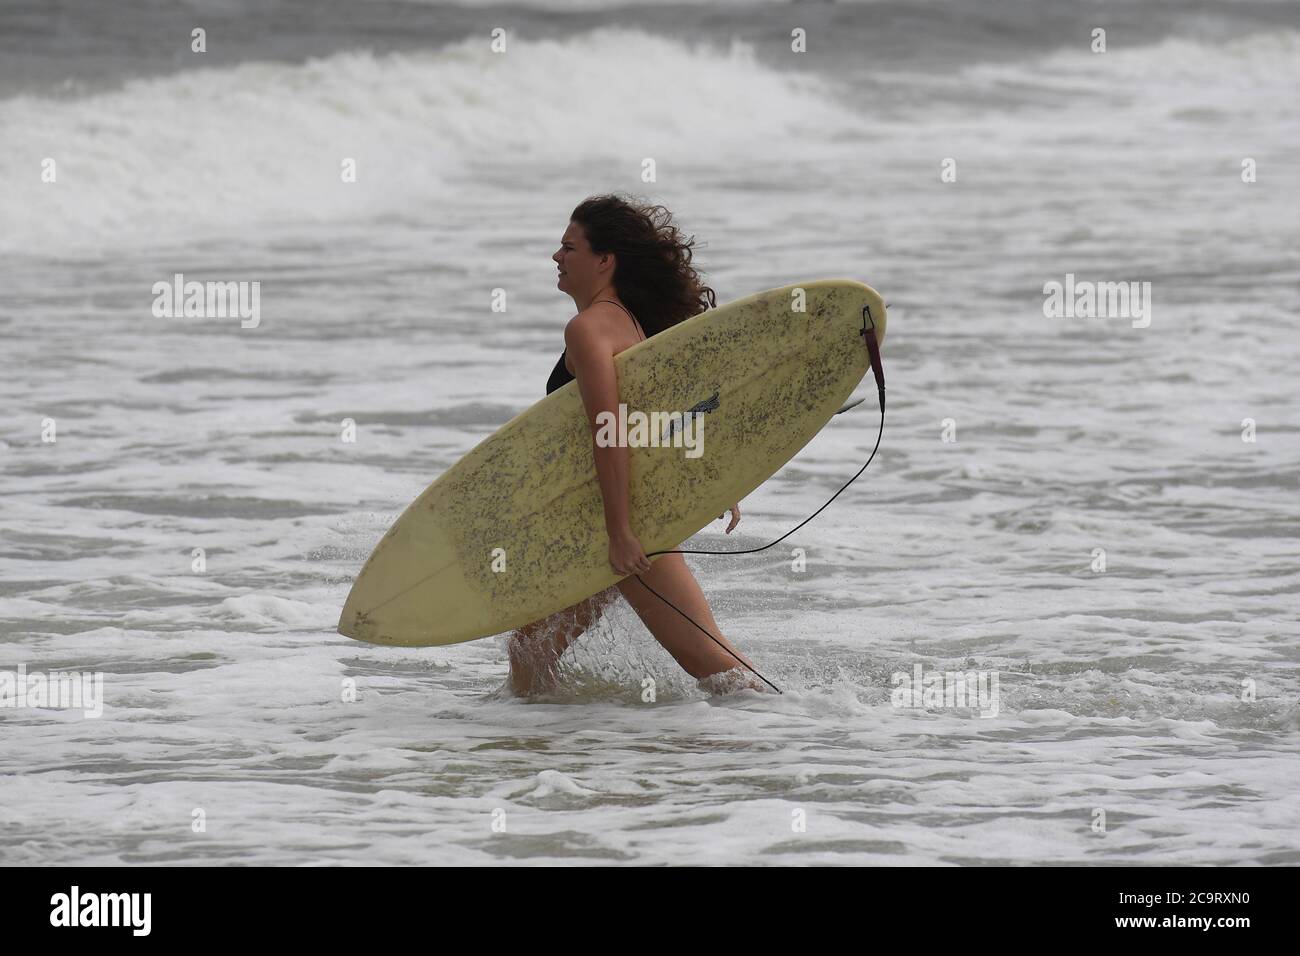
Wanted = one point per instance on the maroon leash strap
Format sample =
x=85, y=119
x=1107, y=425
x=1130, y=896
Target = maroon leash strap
x=873, y=350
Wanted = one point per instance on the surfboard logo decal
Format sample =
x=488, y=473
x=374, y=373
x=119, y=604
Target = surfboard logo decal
x=710, y=404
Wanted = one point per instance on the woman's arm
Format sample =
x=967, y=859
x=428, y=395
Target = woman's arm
x=593, y=364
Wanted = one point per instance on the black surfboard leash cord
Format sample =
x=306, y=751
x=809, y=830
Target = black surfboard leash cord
x=868, y=333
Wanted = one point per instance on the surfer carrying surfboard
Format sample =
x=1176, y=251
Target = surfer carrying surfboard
x=619, y=260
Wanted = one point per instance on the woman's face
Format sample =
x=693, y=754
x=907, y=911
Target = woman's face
x=580, y=270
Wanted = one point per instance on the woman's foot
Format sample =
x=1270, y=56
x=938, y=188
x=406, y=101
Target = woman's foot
x=731, y=681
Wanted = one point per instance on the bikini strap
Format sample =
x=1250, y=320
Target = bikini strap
x=635, y=323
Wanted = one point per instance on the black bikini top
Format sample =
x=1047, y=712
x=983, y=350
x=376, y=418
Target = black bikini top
x=560, y=375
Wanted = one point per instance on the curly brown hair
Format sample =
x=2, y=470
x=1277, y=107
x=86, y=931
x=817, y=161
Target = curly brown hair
x=654, y=276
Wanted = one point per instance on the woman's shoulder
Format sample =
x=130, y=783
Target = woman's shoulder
x=598, y=322
x=585, y=330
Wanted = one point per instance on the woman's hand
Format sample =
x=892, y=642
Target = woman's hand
x=735, y=517
x=625, y=554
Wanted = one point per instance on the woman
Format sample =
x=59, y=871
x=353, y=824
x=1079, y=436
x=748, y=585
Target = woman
x=620, y=260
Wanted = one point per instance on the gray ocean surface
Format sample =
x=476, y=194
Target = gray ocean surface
x=1147, y=712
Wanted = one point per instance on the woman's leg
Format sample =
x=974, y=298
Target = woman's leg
x=535, y=648
x=698, y=655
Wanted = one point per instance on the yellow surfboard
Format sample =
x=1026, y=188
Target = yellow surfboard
x=515, y=530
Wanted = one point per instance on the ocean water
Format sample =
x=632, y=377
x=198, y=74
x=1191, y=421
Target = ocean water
x=1146, y=714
